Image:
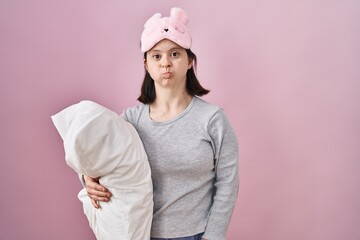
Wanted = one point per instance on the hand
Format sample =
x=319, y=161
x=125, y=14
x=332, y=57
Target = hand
x=95, y=191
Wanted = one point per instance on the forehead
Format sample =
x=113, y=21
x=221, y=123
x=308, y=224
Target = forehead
x=166, y=45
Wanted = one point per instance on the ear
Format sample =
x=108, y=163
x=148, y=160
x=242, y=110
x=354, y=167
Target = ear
x=145, y=64
x=152, y=20
x=190, y=64
x=179, y=14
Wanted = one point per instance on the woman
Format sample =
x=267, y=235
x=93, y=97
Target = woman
x=191, y=147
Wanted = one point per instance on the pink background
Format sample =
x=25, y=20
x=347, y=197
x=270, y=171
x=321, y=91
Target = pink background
x=286, y=72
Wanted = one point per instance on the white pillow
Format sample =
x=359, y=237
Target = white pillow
x=100, y=143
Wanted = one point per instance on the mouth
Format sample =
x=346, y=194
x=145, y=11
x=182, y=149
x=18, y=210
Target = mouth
x=167, y=74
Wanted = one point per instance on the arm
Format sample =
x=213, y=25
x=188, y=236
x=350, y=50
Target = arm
x=225, y=145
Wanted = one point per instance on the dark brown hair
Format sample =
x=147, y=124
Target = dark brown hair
x=193, y=86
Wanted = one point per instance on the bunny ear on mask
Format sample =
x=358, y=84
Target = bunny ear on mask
x=179, y=14
x=152, y=19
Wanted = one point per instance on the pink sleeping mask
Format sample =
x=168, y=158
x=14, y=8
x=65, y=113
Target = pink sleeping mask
x=173, y=28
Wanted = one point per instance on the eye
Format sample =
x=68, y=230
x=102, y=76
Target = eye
x=156, y=56
x=175, y=54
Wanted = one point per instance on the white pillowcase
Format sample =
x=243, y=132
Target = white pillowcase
x=100, y=143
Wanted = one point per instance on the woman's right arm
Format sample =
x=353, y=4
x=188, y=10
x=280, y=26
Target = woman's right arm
x=95, y=191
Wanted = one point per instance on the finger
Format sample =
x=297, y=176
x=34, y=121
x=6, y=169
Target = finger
x=95, y=203
x=96, y=186
x=97, y=198
x=101, y=188
x=97, y=193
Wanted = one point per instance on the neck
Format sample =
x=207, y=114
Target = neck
x=169, y=104
x=171, y=98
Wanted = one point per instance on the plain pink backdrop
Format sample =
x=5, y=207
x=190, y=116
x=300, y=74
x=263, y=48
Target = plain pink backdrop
x=287, y=74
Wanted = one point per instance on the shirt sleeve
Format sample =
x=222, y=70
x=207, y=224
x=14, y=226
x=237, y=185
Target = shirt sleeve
x=226, y=184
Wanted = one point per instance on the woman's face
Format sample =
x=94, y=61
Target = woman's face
x=167, y=64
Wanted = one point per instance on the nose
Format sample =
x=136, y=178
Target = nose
x=165, y=61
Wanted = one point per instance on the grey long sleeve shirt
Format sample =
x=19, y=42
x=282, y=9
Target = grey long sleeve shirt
x=194, y=166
